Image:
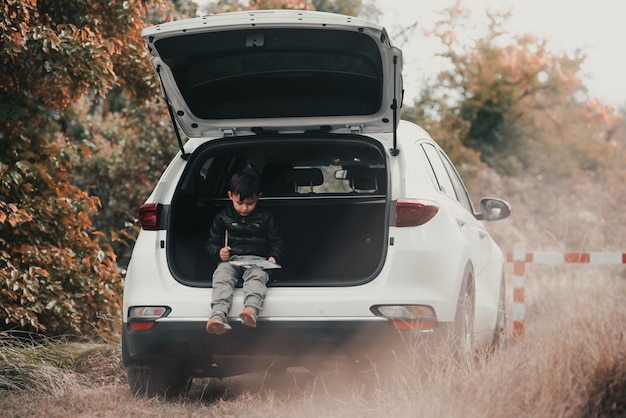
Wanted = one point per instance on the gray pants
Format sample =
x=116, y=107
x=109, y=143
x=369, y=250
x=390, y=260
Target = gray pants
x=226, y=277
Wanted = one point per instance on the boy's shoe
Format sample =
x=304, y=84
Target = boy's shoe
x=218, y=324
x=248, y=316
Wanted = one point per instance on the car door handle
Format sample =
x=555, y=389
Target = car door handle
x=482, y=234
x=461, y=222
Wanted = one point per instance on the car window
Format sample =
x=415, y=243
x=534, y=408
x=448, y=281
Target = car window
x=297, y=178
x=442, y=178
x=461, y=191
x=293, y=169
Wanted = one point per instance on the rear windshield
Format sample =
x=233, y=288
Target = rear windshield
x=345, y=167
x=276, y=73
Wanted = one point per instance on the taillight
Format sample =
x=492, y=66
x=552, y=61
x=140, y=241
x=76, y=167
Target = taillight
x=148, y=217
x=414, y=212
x=142, y=318
x=421, y=318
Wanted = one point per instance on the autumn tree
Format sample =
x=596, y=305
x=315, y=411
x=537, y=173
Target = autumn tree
x=119, y=157
x=57, y=273
x=517, y=101
x=432, y=114
x=121, y=145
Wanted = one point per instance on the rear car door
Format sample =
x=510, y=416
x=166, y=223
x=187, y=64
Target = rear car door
x=487, y=273
x=463, y=217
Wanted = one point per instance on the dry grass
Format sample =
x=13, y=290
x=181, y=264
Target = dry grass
x=29, y=362
x=571, y=363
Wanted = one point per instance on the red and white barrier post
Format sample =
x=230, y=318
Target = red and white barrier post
x=519, y=278
x=520, y=258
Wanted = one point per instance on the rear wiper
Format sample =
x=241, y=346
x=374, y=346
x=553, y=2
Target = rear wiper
x=262, y=131
x=322, y=130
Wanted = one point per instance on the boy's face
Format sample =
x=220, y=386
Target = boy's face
x=246, y=206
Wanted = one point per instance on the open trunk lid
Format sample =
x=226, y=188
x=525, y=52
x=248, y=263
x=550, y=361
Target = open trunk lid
x=277, y=71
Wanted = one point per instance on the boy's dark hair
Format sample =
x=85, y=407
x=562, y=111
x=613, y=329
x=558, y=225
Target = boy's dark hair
x=245, y=183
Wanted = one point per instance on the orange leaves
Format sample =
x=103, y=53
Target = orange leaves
x=113, y=46
x=55, y=275
x=44, y=242
x=85, y=35
x=58, y=290
x=84, y=218
x=13, y=215
x=57, y=51
x=526, y=106
x=14, y=21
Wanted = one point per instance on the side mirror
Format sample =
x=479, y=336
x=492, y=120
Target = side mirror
x=493, y=209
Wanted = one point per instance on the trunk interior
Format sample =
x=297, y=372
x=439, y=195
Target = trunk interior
x=328, y=194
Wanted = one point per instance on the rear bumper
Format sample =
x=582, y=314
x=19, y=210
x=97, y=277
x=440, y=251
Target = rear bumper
x=296, y=342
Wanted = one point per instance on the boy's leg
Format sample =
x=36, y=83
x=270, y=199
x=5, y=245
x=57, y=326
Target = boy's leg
x=225, y=278
x=254, y=290
x=254, y=287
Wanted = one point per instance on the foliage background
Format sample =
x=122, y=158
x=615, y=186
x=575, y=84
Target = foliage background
x=59, y=272
x=85, y=137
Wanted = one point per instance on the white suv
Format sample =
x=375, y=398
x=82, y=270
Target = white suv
x=381, y=238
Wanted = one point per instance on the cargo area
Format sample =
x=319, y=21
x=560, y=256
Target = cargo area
x=328, y=194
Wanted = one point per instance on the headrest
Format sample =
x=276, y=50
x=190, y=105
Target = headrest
x=365, y=178
x=274, y=179
x=306, y=176
x=282, y=179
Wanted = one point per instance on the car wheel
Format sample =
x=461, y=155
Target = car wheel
x=500, y=329
x=157, y=378
x=464, y=325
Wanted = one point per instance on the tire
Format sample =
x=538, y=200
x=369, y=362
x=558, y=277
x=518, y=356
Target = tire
x=155, y=378
x=464, y=325
x=158, y=379
x=500, y=328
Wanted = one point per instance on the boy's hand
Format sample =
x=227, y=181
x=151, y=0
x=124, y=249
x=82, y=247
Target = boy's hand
x=272, y=260
x=225, y=253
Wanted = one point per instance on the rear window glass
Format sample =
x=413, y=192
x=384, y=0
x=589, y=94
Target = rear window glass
x=291, y=168
x=324, y=179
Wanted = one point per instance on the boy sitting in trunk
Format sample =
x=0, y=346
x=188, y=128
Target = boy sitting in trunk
x=241, y=229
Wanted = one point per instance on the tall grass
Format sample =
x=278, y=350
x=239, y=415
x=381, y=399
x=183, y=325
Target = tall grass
x=26, y=363
x=47, y=365
x=571, y=363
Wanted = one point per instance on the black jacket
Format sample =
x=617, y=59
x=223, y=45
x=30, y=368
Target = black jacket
x=255, y=234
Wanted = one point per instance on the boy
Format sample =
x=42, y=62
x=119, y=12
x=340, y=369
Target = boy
x=241, y=229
